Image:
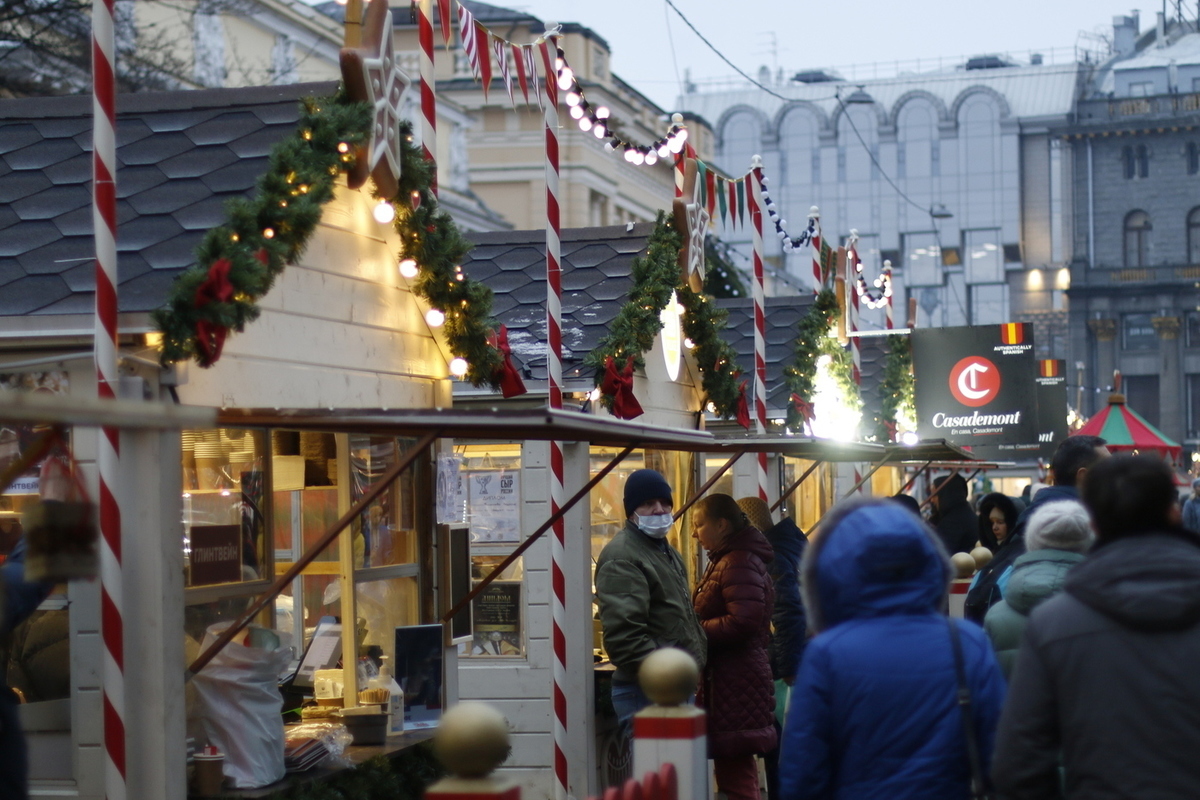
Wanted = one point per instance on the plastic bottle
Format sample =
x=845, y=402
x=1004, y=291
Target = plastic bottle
x=395, y=706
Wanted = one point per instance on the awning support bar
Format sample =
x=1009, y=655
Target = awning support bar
x=874, y=468
x=796, y=485
x=913, y=479
x=282, y=582
x=533, y=537
x=708, y=484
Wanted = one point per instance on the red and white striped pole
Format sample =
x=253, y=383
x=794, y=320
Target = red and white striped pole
x=854, y=269
x=104, y=222
x=887, y=309
x=814, y=218
x=428, y=85
x=754, y=198
x=554, y=390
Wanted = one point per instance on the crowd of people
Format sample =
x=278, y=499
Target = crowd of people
x=1073, y=674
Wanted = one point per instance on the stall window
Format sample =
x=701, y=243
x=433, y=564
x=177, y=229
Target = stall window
x=488, y=500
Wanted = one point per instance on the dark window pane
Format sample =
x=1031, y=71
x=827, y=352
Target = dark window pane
x=1141, y=393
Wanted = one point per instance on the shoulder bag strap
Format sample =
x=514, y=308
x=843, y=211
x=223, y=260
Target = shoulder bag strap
x=978, y=786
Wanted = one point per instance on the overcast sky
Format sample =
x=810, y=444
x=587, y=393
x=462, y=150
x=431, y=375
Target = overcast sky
x=795, y=35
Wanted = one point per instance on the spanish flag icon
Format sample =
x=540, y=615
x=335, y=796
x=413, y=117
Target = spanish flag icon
x=1049, y=368
x=1012, y=333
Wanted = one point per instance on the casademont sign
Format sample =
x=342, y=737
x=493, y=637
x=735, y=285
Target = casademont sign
x=975, y=386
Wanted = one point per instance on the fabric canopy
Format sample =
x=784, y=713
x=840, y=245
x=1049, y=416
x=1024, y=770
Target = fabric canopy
x=1125, y=429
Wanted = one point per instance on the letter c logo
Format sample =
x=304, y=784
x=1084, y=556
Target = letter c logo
x=974, y=381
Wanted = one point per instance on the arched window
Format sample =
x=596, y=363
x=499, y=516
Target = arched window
x=854, y=159
x=1137, y=238
x=916, y=131
x=979, y=129
x=1193, y=236
x=741, y=139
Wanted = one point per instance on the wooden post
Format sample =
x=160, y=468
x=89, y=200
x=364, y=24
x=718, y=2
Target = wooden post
x=353, y=24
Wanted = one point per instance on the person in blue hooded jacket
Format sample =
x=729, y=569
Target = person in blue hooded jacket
x=874, y=711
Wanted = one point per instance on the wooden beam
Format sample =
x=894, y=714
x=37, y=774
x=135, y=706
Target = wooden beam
x=796, y=485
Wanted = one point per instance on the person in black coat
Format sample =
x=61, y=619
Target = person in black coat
x=1105, y=682
x=953, y=518
x=1072, y=460
x=997, y=526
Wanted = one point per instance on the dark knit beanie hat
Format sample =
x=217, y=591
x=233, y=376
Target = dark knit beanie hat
x=643, y=486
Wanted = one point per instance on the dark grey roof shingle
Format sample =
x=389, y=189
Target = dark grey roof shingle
x=181, y=156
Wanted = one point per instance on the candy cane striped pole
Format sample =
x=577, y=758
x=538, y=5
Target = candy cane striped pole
x=814, y=218
x=760, y=318
x=428, y=84
x=854, y=268
x=554, y=387
x=887, y=309
x=104, y=221
x=680, y=158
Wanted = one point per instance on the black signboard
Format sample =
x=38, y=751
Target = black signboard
x=975, y=385
x=216, y=554
x=1051, y=382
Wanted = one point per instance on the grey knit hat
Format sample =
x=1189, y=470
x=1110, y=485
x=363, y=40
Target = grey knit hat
x=1061, y=525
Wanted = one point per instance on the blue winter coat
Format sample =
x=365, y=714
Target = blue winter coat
x=873, y=713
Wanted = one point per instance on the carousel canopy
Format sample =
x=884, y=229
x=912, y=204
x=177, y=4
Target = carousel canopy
x=1125, y=429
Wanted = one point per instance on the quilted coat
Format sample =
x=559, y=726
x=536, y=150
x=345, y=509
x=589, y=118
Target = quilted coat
x=874, y=711
x=734, y=600
x=1035, y=577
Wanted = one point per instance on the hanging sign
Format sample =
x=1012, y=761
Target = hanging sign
x=974, y=386
x=1051, y=390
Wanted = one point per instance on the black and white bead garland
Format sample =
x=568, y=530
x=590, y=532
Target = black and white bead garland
x=595, y=119
x=883, y=283
x=791, y=244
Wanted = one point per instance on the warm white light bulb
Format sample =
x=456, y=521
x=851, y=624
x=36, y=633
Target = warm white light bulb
x=573, y=98
x=674, y=144
x=566, y=79
x=458, y=367
x=384, y=213
x=577, y=112
x=434, y=318
x=663, y=150
x=651, y=157
x=602, y=112
x=681, y=135
x=599, y=130
x=585, y=124
x=408, y=268
x=637, y=159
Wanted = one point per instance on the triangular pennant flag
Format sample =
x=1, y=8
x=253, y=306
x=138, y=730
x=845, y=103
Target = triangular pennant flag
x=741, y=202
x=722, y=199
x=531, y=70
x=518, y=58
x=466, y=25
x=446, y=13
x=710, y=188
x=499, y=46
x=551, y=74
x=483, y=37
x=732, y=204
x=701, y=183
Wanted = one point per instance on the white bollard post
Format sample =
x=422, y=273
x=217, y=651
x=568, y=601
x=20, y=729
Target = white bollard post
x=670, y=732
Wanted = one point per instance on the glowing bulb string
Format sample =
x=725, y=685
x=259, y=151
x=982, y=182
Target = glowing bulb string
x=881, y=295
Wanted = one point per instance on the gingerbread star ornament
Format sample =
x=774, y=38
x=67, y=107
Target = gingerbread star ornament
x=372, y=75
x=691, y=220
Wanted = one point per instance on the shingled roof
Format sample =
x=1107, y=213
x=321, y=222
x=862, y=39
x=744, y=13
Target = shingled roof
x=181, y=157
x=596, y=263
x=783, y=314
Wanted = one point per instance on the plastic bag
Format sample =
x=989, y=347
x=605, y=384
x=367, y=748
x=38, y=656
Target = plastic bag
x=318, y=743
x=240, y=708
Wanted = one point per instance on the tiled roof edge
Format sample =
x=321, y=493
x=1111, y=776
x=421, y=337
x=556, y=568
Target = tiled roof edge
x=141, y=102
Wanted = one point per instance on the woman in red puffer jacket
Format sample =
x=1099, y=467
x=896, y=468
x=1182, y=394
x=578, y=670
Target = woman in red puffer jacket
x=734, y=601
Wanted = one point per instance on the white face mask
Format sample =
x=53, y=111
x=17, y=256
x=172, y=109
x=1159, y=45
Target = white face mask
x=656, y=526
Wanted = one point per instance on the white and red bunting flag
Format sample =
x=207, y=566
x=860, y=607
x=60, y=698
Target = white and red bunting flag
x=500, y=47
x=551, y=73
x=531, y=71
x=466, y=25
x=483, y=40
x=518, y=60
x=445, y=16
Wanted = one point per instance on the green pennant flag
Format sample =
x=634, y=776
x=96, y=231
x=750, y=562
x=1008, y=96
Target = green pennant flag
x=721, y=196
x=741, y=203
x=700, y=179
x=828, y=261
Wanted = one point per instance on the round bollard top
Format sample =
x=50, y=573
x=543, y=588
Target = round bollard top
x=471, y=740
x=982, y=556
x=964, y=565
x=669, y=676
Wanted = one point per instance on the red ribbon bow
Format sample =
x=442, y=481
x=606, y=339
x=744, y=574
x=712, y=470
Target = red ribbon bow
x=210, y=340
x=215, y=288
x=891, y=430
x=618, y=384
x=743, y=407
x=507, y=376
x=803, y=408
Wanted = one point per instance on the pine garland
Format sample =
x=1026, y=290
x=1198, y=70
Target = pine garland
x=265, y=233
x=633, y=330
x=402, y=777
x=721, y=277
x=812, y=342
x=896, y=389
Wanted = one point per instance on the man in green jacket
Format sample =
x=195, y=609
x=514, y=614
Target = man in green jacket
x=643, y=592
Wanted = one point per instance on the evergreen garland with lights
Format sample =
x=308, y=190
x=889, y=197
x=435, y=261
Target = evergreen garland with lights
x=812, y=342
x=896, y=389
x=721, y=277
x=632, y=332
x=237, y=262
